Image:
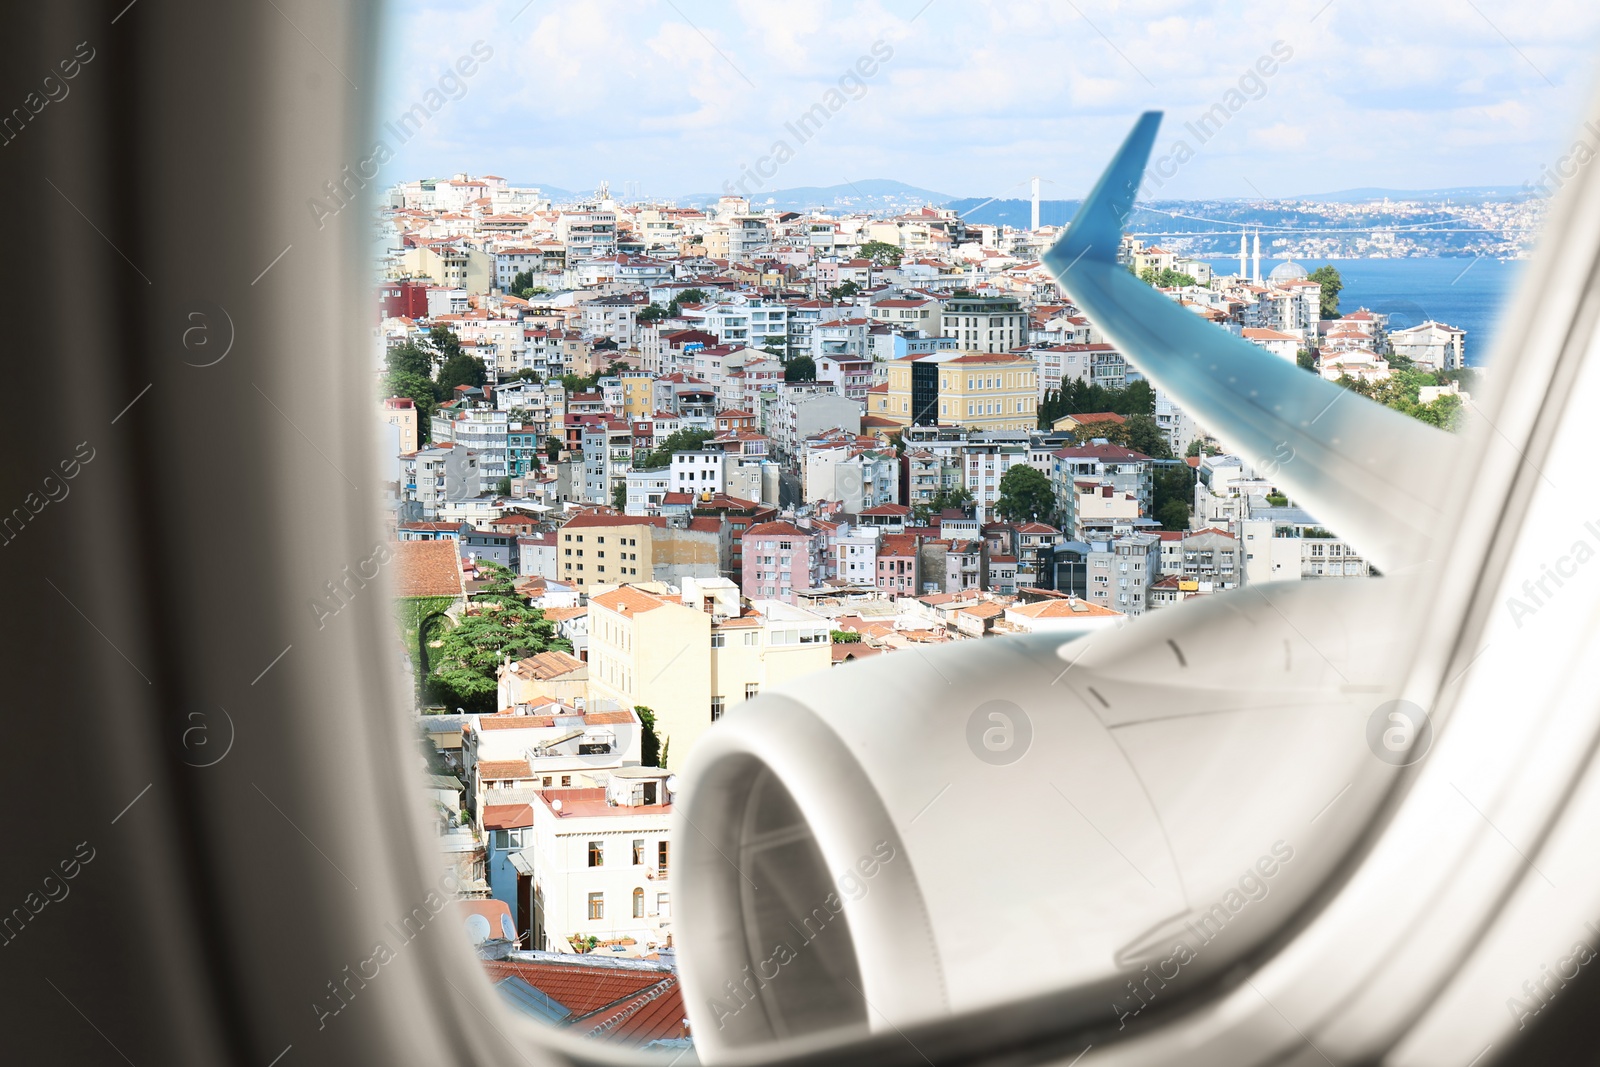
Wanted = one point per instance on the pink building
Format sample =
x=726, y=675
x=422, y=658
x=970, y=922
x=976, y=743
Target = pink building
x=779, y=558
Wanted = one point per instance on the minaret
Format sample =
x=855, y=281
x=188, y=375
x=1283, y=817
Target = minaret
x=1242, y=250
x=1255, y=268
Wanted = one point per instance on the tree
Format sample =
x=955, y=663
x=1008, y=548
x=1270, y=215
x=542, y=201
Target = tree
x=1328, y=277
x=522, y=283
x=843, y=290
x=1166, y=278
x=687, y=296
x=497, y=623
x=552, y=448
x=619, y=496
x=679, y=441
x=420, y=390
x=845, y=637
x=461, y=369
x=651, y=312
x=946, y=499
x=409, y=357
x=1277, y=500
x=1143, y=434
x=800, y=369
x=1173, y=515
x=649, y=741
x=526, y=374
x=1025, y=495
x=445, y=343
x=882, y=253
x=1305, y=361
x=1172, y=494
x=503, y=487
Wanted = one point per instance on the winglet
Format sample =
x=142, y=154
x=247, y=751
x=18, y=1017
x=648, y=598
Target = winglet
x=1096, y=229
x=1373, y=475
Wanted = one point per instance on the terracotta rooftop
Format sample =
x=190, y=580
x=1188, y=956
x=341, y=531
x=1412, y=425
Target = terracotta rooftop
x=428, y=568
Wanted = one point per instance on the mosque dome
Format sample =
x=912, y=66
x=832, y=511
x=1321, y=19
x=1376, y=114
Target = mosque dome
x=1288, y=271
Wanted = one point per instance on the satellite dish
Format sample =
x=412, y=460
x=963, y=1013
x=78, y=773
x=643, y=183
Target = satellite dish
x=672, y=783
x=477, y=929
x=556, y=805
x=507, y=929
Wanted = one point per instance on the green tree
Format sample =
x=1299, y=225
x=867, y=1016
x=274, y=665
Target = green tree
x=497, y=623
x=503, y=486
x=687, y=296
x=521, y=284
x=1172, y=494
x=552, y=448
x=1305, y=361
x=1143, y=434
x=461, y=369
x=882, y=253
x=680, y=441
x=420, y=390
x=619, y=496
x=409, y=357
x=1327, y=276
x=800, y=369
x=1166, y=278
x=649, y=740
x=946, y=498
x=445, y=343
x=1025, y=494
x=651, y=312
x=1173, y=515
x=1277, y=500
x=845, y=637
x=843, y=289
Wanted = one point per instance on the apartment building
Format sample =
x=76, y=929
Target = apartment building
x=779, y=560
x=985, y=324
x=482, y=430
x=597, y=863
x=1121, y=572
x=596, y=548
x=401, y=413
x=693, y=657
x=978, y=390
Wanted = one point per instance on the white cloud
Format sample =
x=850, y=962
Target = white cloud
x=980, y=95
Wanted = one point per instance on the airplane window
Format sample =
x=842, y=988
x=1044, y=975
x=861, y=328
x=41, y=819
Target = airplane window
x=856, y=741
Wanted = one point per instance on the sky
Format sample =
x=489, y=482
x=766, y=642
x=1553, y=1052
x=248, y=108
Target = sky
x=666, y=98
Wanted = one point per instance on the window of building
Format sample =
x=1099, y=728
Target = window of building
x=661, y=856
x=718, y=640
x=751, y=689
x=638, y=851
x=597, y=905
x=716, y=708
x=597, y=855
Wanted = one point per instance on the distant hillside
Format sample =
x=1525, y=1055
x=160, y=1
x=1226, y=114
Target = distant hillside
x=876, y=195
x=979, y=211
x=1460, y=192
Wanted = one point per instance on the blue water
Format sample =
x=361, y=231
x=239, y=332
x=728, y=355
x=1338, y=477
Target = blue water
x=1463, y=293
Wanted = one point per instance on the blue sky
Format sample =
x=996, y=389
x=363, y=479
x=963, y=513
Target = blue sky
x=977, y=95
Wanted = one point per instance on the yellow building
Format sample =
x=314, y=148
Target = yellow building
x=638, y=394
x=978, y=390
x=605, y=549
x=401, y=413
x=692, y=664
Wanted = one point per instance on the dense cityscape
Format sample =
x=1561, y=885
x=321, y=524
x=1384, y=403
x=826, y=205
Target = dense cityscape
x=647, y=461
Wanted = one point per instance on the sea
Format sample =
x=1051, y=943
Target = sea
x=1469, y=294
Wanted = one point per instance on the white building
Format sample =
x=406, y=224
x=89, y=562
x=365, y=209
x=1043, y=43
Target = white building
x=601, y=862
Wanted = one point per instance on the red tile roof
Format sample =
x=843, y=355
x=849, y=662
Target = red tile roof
x=428, y=568
x=633, y=1007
